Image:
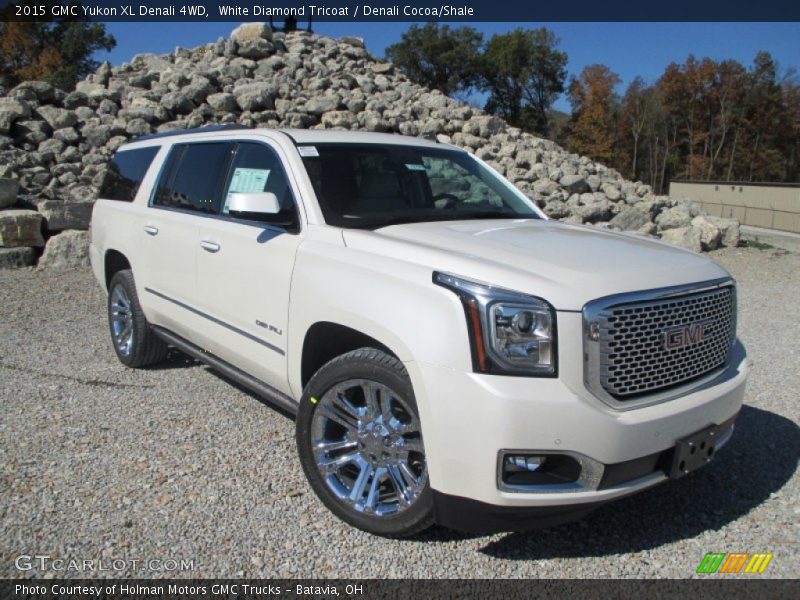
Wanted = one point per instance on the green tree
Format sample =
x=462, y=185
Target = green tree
x=59, y=51
x=524, y=72
x=439, y=57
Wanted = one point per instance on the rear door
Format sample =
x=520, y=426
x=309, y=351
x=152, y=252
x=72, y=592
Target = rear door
x=244, y=269
x=187, y=193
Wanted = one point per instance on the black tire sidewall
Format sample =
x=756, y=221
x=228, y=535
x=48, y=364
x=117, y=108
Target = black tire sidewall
x=377, y=366
x=142, y=335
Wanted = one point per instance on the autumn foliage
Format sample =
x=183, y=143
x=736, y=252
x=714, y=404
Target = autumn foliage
x=59, y=51
x=702, y=119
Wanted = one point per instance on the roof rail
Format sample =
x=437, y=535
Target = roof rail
x=209, y=129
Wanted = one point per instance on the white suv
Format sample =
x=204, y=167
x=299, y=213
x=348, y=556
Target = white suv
x=451, y=355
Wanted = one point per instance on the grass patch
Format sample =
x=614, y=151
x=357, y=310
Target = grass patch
x=757, y=244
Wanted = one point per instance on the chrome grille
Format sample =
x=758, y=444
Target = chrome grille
x=632, y=358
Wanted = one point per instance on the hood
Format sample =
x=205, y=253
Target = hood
x=568, y=265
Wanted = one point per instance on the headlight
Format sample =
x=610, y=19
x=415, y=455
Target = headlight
x=510, y=333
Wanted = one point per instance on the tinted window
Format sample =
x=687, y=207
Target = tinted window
x=192, y=177
x=125, y=173
x=256, y=168
x=367, y=185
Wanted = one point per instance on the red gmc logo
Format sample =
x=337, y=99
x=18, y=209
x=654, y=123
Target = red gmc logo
x=686, y=335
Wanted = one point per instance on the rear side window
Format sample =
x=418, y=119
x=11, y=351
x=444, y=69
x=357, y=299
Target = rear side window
x=192, y=178
x=125, y=173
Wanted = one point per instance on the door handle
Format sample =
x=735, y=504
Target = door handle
x=151, y=230
x=210, y=246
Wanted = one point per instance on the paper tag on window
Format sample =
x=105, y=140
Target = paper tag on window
x=246, y=180
x=415, y=167
x=307, y=151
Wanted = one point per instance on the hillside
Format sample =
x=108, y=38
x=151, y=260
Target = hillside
x=54, y=145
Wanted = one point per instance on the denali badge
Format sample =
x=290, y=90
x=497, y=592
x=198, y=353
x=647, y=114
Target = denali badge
x=686, y=335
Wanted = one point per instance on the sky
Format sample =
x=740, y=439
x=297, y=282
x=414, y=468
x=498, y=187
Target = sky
x=628, y=49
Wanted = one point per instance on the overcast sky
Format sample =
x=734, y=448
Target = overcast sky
x=629, y=49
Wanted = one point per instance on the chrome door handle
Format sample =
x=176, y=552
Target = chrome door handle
x=151, y=230
x=210, y=246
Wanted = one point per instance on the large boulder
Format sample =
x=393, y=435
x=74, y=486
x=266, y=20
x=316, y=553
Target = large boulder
x=255, y=96
x=57, y=118
x=574, y=184
x=15, y=258
x=56, y=145
x=676, y=217
x=8, y=192
x=322, y=104
x=252, y=31
x=96, y=134
x=12, y=110
x=67, y=250
x=729, y=228
x=595, y=212
x=710, y=235
x=20, y=227
x=59, y=214
x=222, y=102
x=688, y=237
x=630, y=218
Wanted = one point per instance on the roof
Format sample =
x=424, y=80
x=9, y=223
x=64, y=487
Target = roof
x=298, y=136
x=333, y=136
x=174, y=132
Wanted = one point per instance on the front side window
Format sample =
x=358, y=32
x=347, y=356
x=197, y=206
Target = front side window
x=371, y=186
x=192, y=177
x=256, y=168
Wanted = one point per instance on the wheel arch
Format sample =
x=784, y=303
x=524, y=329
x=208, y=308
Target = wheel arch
x=325, y=340
x=113, y=262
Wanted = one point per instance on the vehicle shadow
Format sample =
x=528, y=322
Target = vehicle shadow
x=761, y=457
x=758, y=461
x=247, y=391
x=175, y=360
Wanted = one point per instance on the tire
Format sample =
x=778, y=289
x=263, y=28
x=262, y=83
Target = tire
x=139, y=347
x=361, y=486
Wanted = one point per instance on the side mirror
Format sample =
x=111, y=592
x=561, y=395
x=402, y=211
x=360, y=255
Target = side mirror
x=253, y=205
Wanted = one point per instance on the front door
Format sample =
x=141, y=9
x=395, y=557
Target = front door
x=244, y=269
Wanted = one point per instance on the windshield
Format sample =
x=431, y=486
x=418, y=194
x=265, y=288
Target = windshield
x=371, y=186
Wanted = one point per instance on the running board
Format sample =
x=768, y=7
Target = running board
x=270, y=394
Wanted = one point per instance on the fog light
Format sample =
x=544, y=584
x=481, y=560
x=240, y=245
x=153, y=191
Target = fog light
x=524, y=462
x=522, y=470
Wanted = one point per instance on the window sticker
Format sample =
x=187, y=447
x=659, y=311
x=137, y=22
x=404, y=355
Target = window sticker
x=308, y=151
x=415, y=167
x=246, y=180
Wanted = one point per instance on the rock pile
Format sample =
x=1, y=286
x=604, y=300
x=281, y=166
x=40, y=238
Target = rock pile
x=54, y=146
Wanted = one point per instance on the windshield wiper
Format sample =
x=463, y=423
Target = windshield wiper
x=378, y=223
x=488, y=214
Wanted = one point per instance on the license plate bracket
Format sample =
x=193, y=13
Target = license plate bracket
x=694, y=451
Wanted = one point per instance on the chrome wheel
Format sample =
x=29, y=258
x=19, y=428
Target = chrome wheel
x=121, y=320
x=367, y=445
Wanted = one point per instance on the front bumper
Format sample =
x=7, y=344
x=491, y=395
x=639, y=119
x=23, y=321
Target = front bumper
x=469, y=418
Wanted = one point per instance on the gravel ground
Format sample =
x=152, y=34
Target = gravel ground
x=104, y=462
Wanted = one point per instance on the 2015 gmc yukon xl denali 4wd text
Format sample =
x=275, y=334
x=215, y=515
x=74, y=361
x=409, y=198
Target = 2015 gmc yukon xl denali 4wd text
x=450, y=354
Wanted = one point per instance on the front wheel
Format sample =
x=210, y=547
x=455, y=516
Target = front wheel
x=360, y=444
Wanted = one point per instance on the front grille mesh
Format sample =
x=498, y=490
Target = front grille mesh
x=633, y=357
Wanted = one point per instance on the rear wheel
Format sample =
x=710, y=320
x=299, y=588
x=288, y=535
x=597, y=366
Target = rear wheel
x=360, y=444
x=131, y=335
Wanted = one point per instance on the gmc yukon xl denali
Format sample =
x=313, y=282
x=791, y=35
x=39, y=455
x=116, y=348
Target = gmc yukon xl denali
x=450, y=354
